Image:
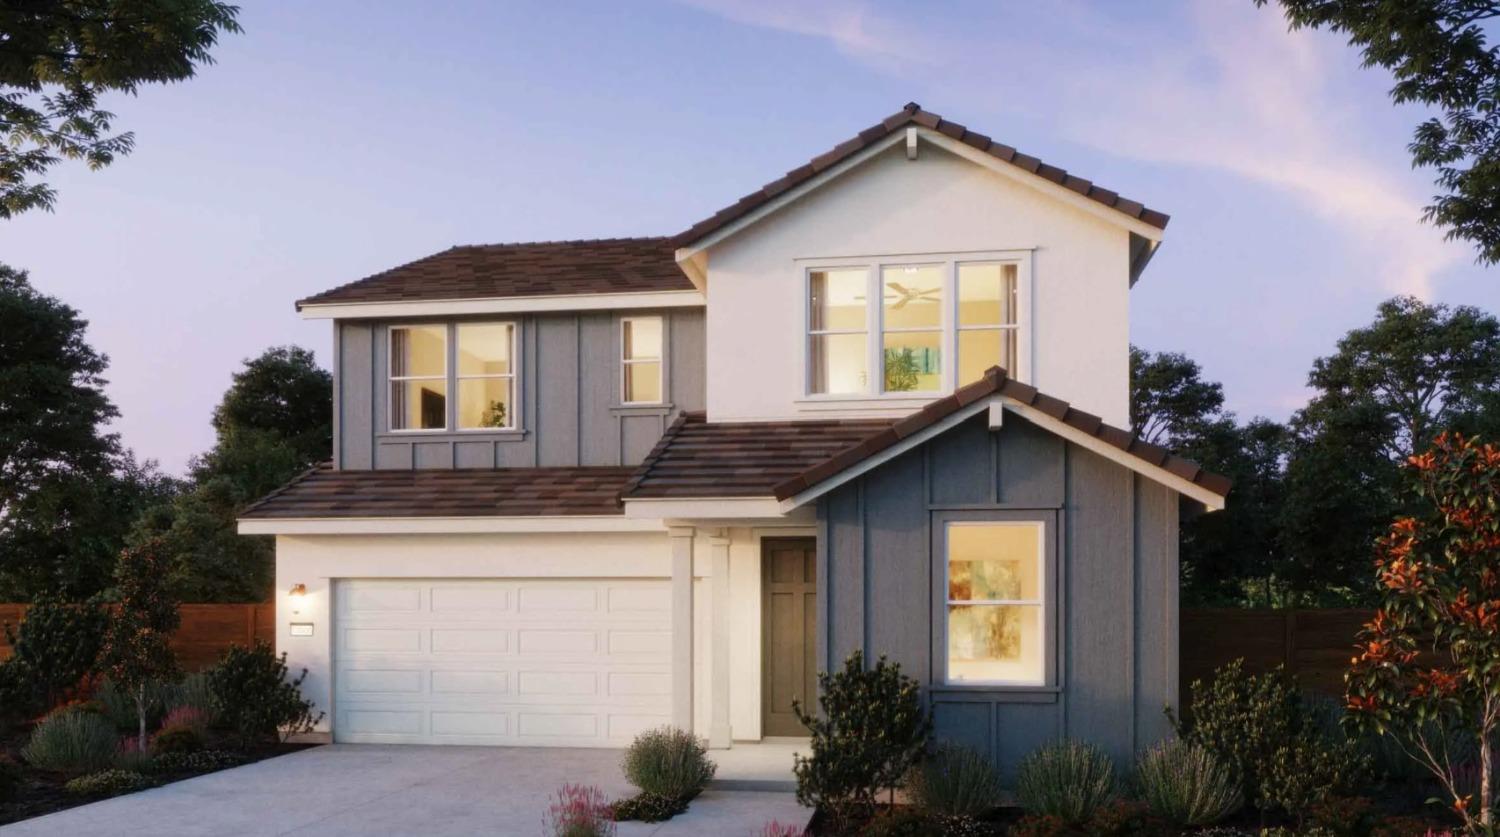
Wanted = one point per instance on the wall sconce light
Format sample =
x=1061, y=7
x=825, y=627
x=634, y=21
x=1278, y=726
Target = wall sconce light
x=299, y=590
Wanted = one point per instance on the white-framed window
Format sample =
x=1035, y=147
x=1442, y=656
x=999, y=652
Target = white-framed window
x=641, y=341
x=941, y=321
x=838, y=330
x=418, y=377
x=997, y=612
x=486, y=375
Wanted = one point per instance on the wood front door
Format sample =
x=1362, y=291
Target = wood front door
x=789, y=613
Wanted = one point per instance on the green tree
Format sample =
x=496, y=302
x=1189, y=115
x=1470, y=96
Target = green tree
x=1387, y=390
x=1440, y=55
x=68, y=493
x=1170, y=403
x=57, y=57
x=1231, y=556
x=274, y=422
x=136, y=651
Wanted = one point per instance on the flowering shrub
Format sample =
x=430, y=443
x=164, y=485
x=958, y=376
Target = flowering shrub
x=579, y=811
x=191, y=717
x=130, y=756
x=1439, y=575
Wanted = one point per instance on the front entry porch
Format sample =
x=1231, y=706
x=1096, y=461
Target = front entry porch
x=744, y=620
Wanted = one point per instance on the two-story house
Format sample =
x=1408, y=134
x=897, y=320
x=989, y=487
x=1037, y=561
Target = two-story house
x=584, y=488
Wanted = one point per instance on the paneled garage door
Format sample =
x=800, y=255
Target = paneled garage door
x=544, y=662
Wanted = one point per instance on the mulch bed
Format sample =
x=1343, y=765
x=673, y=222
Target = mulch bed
x=42, y=791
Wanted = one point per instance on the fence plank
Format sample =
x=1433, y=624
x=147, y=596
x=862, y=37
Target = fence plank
x=1314, y=645
x=207, y=631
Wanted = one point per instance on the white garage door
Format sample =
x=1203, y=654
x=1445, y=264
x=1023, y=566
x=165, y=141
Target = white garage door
x=531, y=662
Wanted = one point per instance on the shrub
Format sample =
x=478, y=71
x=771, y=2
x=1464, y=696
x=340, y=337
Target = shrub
x=954, y=782
x=1070, y=781
x=1185, y=784
x=71, y=741
x=190, y=717
x=108, y=783
x=176, y=739
x=777, y=828
x=1344, y=816
x=668, y=762
x=192, y=692
x=129, y=756
x=872, y=731
x=203, y=761
x=647, y=807
x=253, y=697
x=55, y=647
x=904, y=822
x=1312, y=770
x=1257, y=724
x=578, y=811
x=120, y=708
x=11, y=778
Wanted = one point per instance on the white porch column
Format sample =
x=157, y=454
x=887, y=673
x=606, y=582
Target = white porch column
x=682, y=626
x=718, y=693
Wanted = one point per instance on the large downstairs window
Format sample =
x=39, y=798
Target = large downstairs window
x=939, y=324
x=996, y=602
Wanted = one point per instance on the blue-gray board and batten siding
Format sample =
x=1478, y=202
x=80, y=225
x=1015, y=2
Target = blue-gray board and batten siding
x=1112, y=629
x=569, y=391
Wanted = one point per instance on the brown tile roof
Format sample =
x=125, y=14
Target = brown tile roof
x=782, y=459
x=502, y=492
x=913, y=114
x=696, y=458
x=546, y=268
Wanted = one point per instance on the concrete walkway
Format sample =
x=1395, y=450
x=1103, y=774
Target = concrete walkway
x=372, y=789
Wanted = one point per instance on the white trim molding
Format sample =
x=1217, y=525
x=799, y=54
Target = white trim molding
x=445, y=525
x=709, y=508
x=502, y=305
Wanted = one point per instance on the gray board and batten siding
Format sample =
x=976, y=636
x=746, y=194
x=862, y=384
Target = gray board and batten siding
x=1111, y=540
x=568, y=388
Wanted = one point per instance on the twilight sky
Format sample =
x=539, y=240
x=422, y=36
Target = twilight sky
x=335, y=139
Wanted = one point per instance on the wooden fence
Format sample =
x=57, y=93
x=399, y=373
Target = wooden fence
x=207, y=630
x=1315, y=645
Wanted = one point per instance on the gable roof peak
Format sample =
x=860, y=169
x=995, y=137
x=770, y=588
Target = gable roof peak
x=911, y=113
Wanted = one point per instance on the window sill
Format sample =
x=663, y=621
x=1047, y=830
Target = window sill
x=480, y=434
x=643, y=409
x=996, y=693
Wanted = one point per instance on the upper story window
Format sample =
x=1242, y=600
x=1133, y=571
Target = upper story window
x=486, y=376
x=483, y=376
x=939, y=325
x=997, y=609
x=419, y=377
x=641, y=360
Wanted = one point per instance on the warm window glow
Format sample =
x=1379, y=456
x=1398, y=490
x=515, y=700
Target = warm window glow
x=912, y=328
x=640, y=359
x=986, y=319
x=419, y=377
x=838, y=323
x=486, y=376
x=996, y=592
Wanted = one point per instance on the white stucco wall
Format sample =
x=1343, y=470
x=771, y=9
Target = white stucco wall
x=939, y=203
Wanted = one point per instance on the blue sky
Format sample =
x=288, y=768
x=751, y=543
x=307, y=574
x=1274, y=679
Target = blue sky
x=335, y=139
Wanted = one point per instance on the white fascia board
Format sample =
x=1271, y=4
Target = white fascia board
x=1041, y=184
x=504, y=305
x=1084, y=440
x=703, y=508
x=872, y=462
x=445, y=525
x=786, y=198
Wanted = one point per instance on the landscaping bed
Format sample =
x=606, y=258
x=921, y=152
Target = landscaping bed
x=42, y=792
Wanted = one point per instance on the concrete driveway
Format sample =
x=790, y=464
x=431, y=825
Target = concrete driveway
x=373, y=789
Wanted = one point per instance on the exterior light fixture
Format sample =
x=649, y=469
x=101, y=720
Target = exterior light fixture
x=299, y=590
